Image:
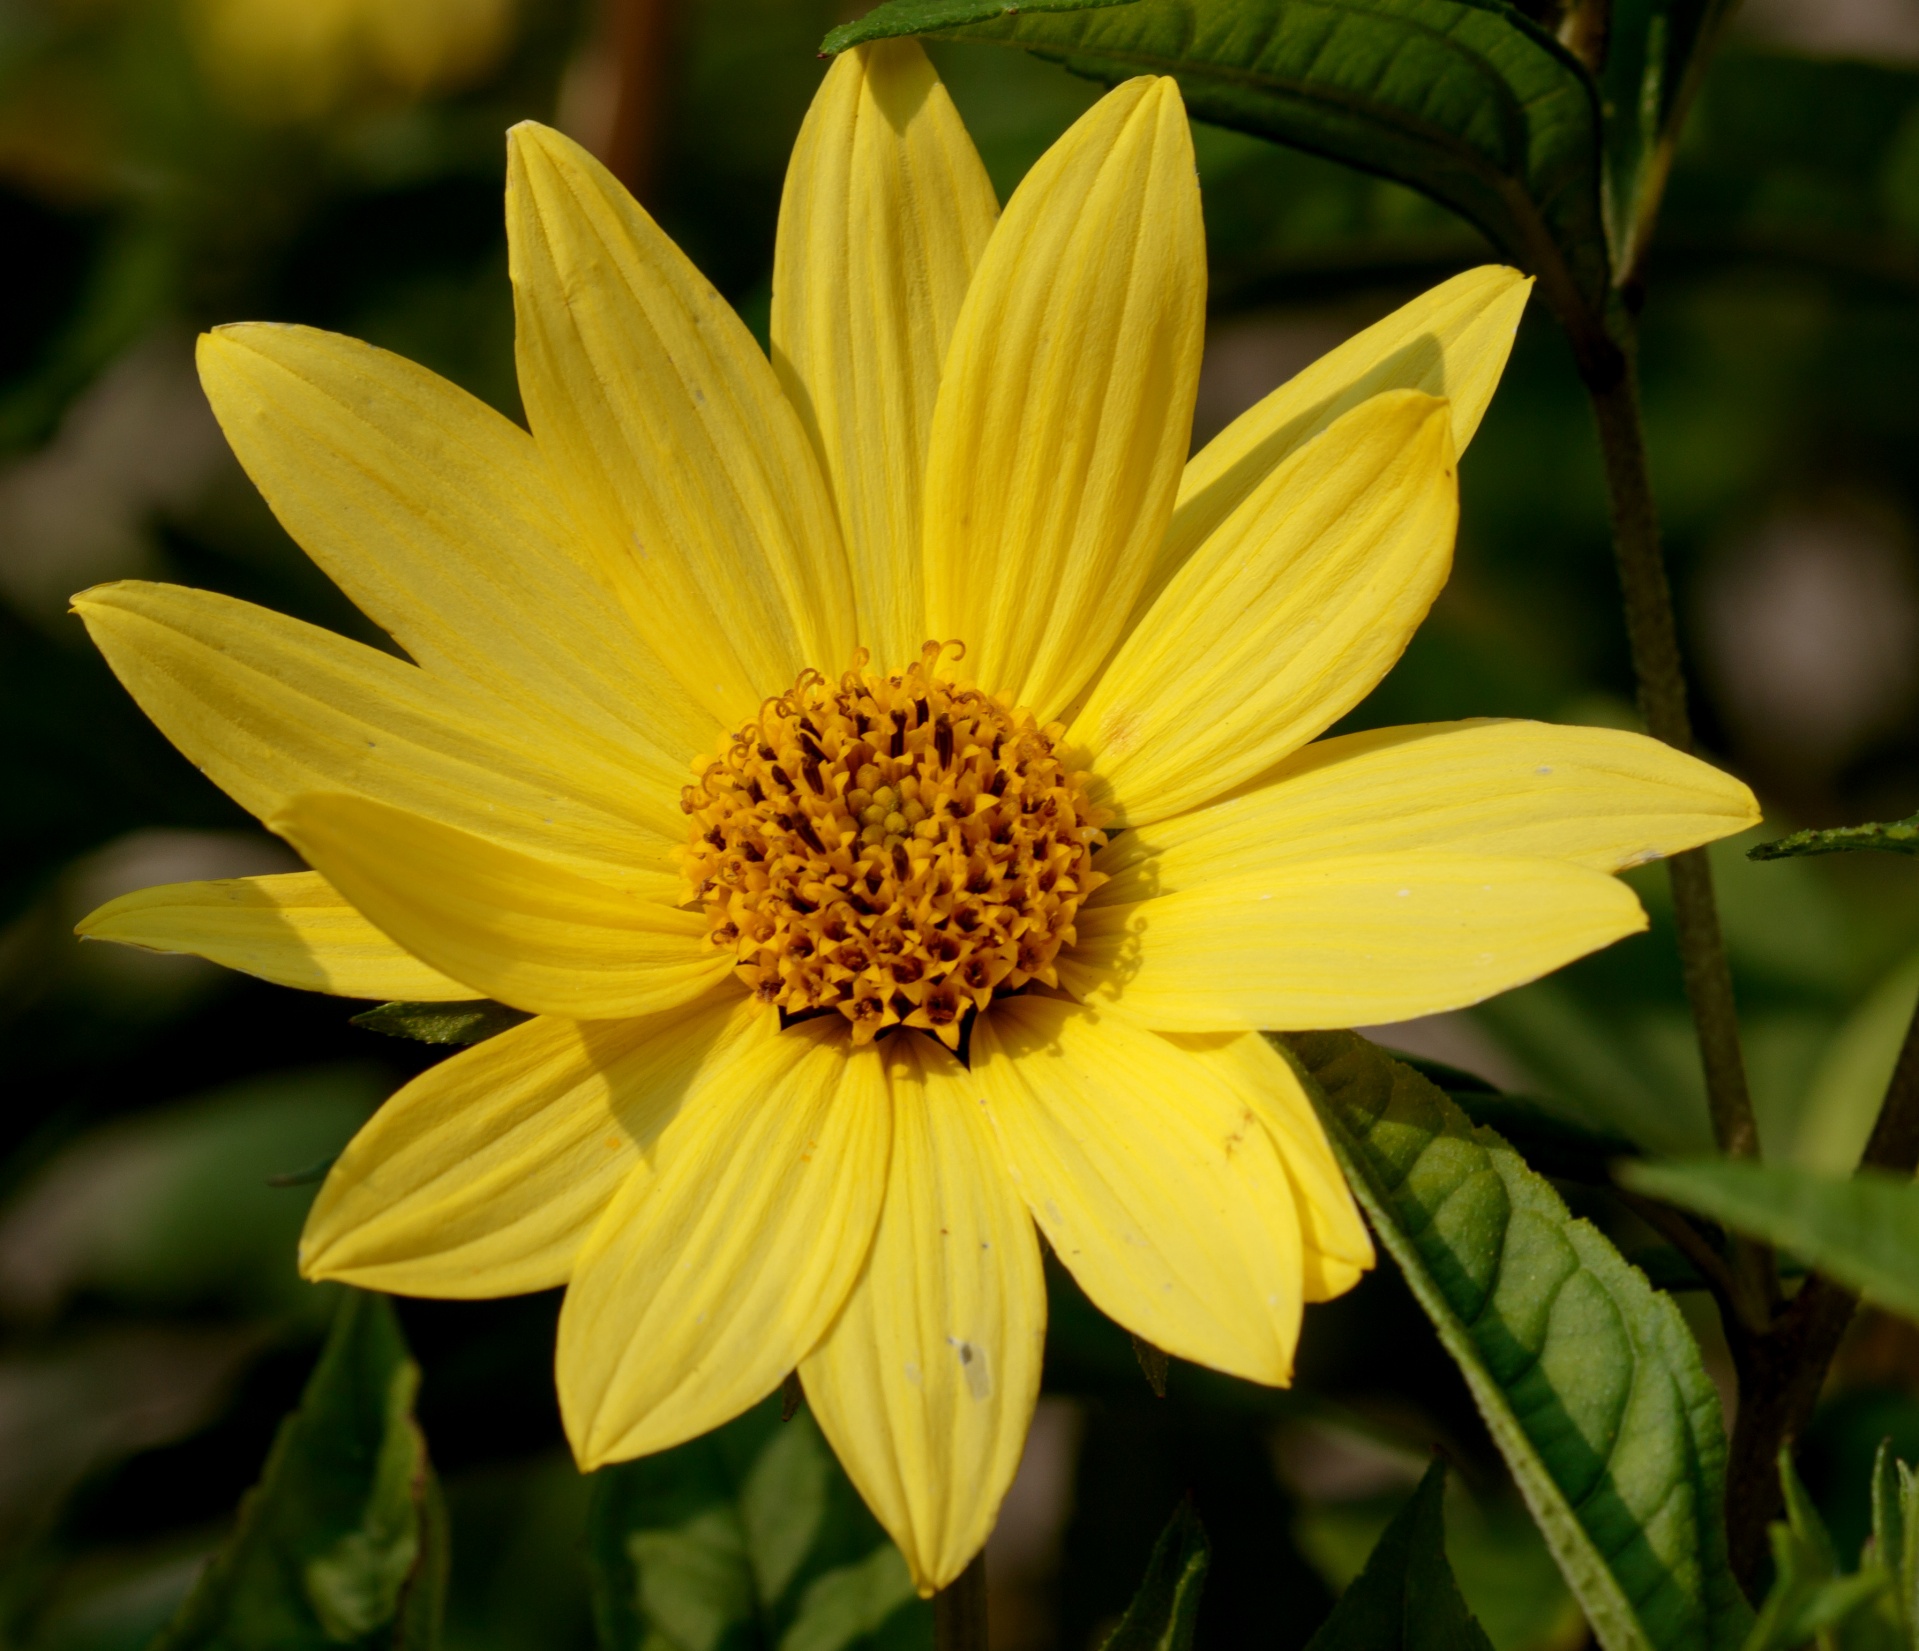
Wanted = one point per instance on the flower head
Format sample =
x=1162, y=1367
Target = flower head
x=890, y=776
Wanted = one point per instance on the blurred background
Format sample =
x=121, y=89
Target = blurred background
x=166, y=165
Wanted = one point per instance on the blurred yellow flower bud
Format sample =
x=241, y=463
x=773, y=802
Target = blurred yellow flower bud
x=294, y=59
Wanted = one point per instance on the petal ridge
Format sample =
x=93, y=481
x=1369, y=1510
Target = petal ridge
x=693, y=480
x=1066, y=402
x=927, y=1380
x=885, y=213
x=293, y=928
x=1360, y=941
x=523, y=930
x=1288, y=615
x=701, y=1288
x=484, y=1175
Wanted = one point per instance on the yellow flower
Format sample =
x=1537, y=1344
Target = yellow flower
x=293, y=59
x=912, y=683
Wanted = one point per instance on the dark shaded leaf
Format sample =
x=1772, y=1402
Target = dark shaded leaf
x=925, y=16
x=1804, y=161
x=749, y=1539
x=1588, y=1379
x=1153, y=1365
x=1464, y=100
x=1893, y=836
x=473, y=1022
x=1862, y=1230
x=343, y=1541
x=1164, y=1614
x=1552, y=1143
x=1655, y=59
x=1406, y=1598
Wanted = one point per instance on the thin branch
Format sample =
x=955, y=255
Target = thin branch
x=640, y=37
x=1653, y=635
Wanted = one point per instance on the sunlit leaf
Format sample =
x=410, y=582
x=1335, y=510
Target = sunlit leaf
x=749, y=1539
x=1588, y=1379
x=343, y=1541
x=1893, y=836
x=1164, y=1614
x=1861, y=1230
x=1465, y=100
x=1406, y=1599
x=1894, y=1543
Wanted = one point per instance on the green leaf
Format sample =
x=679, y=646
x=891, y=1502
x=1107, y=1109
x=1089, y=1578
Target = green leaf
x=899, y=17
x=1164, y=1614
x=1548, y=1140
x=1893, y=836
x=1153, y=1365
x=1810, y=1596
x=1464, y=100
x=749, y=1539
x=1588, y=1379
x=472, y=1022
x=1862, y=1230
x=175, y=1210
x=1655, y=59
x=1894, y=1543
x=1406, y=1598
x=343, y=1541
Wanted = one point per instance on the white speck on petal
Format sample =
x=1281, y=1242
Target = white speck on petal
x=1543, y=771
x=912, y=1371
x=973, y=1366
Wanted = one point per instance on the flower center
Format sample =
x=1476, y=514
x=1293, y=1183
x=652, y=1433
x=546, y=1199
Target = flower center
x=893, y=847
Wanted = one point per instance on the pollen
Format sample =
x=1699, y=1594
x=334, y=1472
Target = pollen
x=894, y=847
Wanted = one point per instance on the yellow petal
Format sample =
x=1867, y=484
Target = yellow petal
x=1285, y=618
x=926, y=1382
x=886, y=211
x=690, y=474
x=1596, y=797
x=522, y=930
x=1452, y=341
x=1350, y=942
x=701, y=1288
x=483, y=1176
x=1146, y=1165
x=441, y=521
x=1066, y=405
x=294, y=930
x=1337, y=1247
x=269, y=708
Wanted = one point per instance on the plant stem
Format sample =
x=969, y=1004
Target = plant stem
x=1653, y=635
x=639, y=35
x=1782, y=1372
x=959, y=1610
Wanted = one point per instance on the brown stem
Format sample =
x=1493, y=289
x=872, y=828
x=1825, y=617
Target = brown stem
x=1696, y=1244
x=639, y=36
x=1653, y=635
x=1782, y=1372
x=959, y=1610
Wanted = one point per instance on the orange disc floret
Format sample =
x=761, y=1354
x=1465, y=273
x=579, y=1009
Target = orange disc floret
x=897, y=847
